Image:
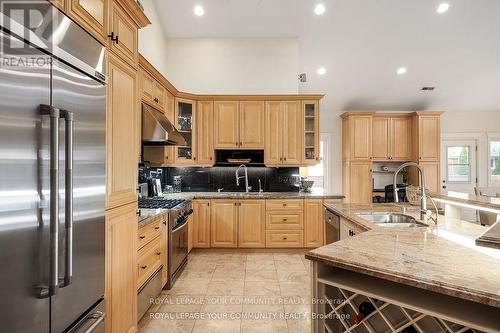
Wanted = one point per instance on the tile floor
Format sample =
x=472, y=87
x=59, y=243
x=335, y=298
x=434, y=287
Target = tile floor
x=235, y=291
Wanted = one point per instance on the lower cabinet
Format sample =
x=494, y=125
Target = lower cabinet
x=313, y=223
x=121, y=269
x=349, y=229
x=201, y=224
x=251, y=223
x=284, y=238
x=284, y=223
x=224, y=223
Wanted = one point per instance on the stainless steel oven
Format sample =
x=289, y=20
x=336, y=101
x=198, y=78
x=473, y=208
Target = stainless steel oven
x=178, y=241
x=332, y=227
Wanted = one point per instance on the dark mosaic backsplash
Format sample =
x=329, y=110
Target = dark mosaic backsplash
x=196, y=179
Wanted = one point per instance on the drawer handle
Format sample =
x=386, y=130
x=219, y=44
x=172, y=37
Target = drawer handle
x=142, y=237
x=157, y=228
x=144, y=267
x=284, y=220
x=284, y=205
x=285, y=238
x=158, y=253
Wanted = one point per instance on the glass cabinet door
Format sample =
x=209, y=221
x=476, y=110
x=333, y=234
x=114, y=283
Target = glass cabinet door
x=185, y=124
x=311, y=132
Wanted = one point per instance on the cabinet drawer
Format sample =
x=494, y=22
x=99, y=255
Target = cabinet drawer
x=280, y=204
x=148, y=260
x=149, y=232
x=284, y=238
x=284, y=220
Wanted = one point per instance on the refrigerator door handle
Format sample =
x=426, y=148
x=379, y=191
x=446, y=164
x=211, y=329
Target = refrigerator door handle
x=68, y=197
x=54, y=114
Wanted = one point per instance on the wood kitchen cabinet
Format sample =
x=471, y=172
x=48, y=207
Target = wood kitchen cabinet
x=283, y=133
x=358, y=188
x=59, y=4
x=310, y=115
x=313, y=223
x=205, y=133
x=224, y=223
x=349, y=229
x=153, y=92
x=357, y=136
x=239, y=125
x=123, y=34
x=92, y=15
x=391, y=138
x=429, y=136
x=121, y=269
x=185, y=122
x=121, y=124
x=251, y=224
x=201, y=224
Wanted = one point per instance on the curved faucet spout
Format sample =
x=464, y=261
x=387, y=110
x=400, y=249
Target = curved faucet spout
x=423, y=203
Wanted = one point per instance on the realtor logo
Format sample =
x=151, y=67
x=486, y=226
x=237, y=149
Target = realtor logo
x=32, y=21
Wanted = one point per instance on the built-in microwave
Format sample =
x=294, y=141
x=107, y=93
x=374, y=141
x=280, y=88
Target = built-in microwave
x=332, y=227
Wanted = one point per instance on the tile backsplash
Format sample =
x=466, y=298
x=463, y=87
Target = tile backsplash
x=211, y=179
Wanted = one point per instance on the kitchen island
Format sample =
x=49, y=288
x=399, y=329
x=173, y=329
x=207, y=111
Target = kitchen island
x=414, y=279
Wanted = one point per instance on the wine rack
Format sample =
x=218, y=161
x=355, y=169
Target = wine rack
x=340, y=295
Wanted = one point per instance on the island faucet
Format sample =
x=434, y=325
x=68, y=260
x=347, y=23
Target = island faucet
x=247, y=188
x=423, y=202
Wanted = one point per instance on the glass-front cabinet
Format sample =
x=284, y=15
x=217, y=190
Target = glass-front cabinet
x=185, y=118
x=311, y=154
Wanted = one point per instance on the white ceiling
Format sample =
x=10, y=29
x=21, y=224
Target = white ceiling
x=361, y=43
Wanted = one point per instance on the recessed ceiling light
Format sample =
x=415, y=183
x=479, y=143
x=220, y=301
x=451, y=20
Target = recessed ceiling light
x=402, y=70
x=321, y=71
x=443, y=8
x=319, y=9
x=199, y=11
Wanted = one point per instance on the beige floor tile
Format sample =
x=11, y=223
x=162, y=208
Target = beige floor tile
x=195, y=274
x=189, y=287
x=168, y=326
x=264, y=326
x=260, y=275
x=263, y=304
x=181, y=303
x=263, y=265
x=236, y=265
x=293, y=276
x=260, y=257
x=265, y=288
x=295, y=289
x=227, y=287
x=224, y=273
x=290, y=266
x=217, y=326
x=299, y=325
x=224, y=304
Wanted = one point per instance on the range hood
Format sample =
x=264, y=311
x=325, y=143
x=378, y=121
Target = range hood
x=157, y=130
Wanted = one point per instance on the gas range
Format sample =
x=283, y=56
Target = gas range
x=160, y=203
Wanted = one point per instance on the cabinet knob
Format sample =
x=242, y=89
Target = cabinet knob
x=285, y=238
x=113, y=37
x=144, y=267
x=284, y=205
x=158, y=253
x=157, y=228
x=142, y=237
x=284, y=158
x=284, y=220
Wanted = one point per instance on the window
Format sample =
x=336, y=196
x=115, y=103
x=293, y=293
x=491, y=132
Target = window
x=495, y=161
x=319, y=172
x=459, y=166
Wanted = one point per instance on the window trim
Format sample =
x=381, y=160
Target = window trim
x=327, y=139
x=470, y=180
x=491, y=137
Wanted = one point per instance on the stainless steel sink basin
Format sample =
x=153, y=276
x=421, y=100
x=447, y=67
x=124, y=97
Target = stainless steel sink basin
x=391, y=219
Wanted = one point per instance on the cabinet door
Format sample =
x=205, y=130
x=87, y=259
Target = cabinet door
x=360, y=182
x=429, y=138
x=91, y=15
x=159, y=96
x=400, y=139
x=226, y=125
x=121, y=269
x=147, y=84
x=380, y=137
x=432, y=176
x=58, y=3
x=361, y=137
x=201, y=224
x=313, y=223
x=185, y=111
x=224, y=223
x=292, y=133
x=121, y=145
x=205, y=133
x=251, y=122
x=310, y=118
x=274, y=134
x=125, y=32
x=344, y=229
x=251, y=223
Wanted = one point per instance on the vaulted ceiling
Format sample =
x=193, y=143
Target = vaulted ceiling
x=362, y=43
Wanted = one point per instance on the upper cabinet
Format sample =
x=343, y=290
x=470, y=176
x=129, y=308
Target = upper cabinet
x=357, y=136
x=92, y=15
x=429, y=130
x=311, y=153
x=185, y=122
x=391, y=138
x=122, y=34
x=153, y=92
x=239, y=125
x=205, y=133
x=283, y=136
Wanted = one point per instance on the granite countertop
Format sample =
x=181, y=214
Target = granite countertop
x=442, y=258
x=149, y=215
x=491, y=236
x=254, y=195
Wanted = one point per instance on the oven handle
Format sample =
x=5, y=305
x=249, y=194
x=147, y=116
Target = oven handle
x=180, y=226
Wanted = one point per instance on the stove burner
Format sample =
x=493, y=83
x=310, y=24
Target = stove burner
x=159, y=203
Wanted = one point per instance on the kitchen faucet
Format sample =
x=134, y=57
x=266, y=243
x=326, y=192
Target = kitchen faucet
x=423, y=202
x=247, y=188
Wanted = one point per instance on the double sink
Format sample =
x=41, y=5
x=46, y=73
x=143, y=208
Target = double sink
x=391, y=219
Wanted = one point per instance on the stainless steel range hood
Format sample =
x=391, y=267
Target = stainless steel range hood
x=157, y=130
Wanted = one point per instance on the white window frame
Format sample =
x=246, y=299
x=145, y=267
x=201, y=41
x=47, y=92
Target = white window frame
x=470, y=180
x=327, y=139
x=492, y=137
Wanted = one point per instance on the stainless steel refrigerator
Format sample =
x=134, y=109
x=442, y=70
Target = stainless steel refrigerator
x=52, y=172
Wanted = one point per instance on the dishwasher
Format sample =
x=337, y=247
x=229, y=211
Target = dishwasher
x=332, y=227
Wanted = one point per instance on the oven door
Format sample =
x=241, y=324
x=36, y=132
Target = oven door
x=332, y=227
x=178, y=247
